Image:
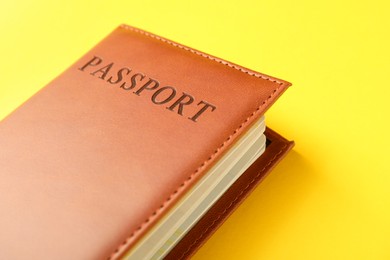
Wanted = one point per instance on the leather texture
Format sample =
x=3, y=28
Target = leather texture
x=94, y=159
x=276, y=149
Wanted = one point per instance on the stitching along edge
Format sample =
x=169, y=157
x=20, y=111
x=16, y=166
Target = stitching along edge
x=127, y=241
x=232, y=203
x=204, y=55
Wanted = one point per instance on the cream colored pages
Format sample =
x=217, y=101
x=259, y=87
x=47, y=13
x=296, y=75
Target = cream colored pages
x=157, y=243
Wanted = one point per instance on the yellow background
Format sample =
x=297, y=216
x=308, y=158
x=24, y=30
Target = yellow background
x=329, y=199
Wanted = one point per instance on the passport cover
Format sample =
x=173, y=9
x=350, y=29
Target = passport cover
x=92, y=161
x=277, y=148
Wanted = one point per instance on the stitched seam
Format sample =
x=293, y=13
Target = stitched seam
x=231, y=65
x=185, y=182
x=232, y=203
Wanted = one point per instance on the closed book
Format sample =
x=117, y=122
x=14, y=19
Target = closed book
x=139, y=150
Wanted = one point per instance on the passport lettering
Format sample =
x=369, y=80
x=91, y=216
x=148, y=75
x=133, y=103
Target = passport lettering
x=139, y=84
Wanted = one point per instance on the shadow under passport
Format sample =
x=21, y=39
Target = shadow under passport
x=264, y=213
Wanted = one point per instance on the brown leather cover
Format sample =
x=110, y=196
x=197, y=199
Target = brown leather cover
x=92, y=161
x=277, y=148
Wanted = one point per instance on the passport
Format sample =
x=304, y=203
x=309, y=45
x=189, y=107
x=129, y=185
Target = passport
x=139, y=150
